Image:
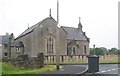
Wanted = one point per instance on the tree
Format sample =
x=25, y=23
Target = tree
x=118, y=52
x=91, y=51
x=99, y=51
x=113, y=51
x=104, y=50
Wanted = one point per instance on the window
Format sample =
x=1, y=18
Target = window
x=17, y=49
x=73, y=50
x=50, y=44
x=68, y=50
x=84, y=49
x=5, y=54
x=5, y=45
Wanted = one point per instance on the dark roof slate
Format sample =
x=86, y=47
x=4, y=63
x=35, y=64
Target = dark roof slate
x=16, y=44
x=74, y=33
x=29, y=30
x=4, y=39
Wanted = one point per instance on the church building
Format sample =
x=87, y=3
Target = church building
x=46, y=37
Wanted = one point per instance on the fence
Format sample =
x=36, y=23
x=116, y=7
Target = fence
x=65, y=59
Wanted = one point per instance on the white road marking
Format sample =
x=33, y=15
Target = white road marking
x=103, y=71
x=107, y=70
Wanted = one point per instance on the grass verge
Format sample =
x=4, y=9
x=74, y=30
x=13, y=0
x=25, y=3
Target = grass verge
x=8, y=68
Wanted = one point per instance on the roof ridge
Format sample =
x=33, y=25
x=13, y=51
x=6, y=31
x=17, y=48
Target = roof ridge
x=68, y=27
x=74, y=33
x=29, y=30
x=42, y=21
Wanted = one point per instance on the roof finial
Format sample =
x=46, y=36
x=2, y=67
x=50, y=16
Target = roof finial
x=50, y=12
x=28, y=25
x=80, y=25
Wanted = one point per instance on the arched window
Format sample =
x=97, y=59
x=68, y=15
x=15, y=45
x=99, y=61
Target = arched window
x=50, y=44
x=18, y=49
x=85, y=49
x=5, y=54
x=73, y=50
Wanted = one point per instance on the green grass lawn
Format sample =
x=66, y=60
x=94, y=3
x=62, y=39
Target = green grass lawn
x=8, y=68
x=110, y=62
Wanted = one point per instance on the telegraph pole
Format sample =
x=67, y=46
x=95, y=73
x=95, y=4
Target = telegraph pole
x=57, y=51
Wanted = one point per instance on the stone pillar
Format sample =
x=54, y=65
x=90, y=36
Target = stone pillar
x=40, y=60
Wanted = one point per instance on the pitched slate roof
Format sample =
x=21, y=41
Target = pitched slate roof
x=16, y=44
x=74, y=33
x=4, y=39
x=29, y=30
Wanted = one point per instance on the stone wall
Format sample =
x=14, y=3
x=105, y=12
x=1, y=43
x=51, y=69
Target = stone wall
x=23, y=61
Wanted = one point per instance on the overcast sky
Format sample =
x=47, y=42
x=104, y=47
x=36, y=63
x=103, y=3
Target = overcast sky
x=98, y=17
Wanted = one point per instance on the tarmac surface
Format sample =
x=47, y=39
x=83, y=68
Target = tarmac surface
x=81, y=70
x=69, y=69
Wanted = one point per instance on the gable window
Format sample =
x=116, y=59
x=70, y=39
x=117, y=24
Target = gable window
x=50, y=44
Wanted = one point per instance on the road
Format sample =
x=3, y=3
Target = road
x=106, y=70
x=109, y=69
x=68, y=69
